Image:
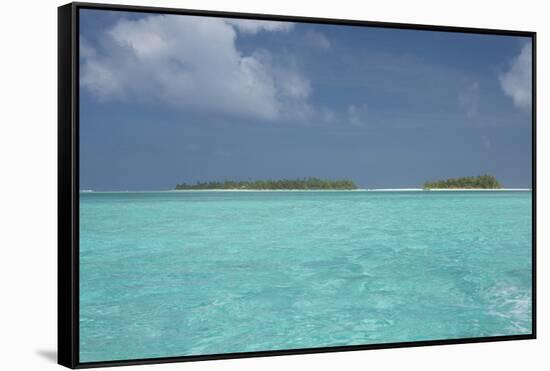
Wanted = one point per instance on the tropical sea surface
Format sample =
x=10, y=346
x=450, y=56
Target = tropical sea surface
x=194, y=273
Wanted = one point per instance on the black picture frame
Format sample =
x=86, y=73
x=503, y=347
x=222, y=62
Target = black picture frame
x=68, y=184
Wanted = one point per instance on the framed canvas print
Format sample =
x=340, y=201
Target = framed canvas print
x=238, y=185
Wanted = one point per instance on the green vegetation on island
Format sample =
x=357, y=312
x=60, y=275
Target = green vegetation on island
x=306, y=183
x=468, y=182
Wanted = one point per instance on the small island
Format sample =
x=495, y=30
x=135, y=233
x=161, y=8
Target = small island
x=282, y=184
x=468, y=182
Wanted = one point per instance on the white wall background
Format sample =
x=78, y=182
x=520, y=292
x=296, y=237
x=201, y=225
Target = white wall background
x=28, y=181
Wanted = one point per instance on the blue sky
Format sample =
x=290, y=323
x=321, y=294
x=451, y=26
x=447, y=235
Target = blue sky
x=167, y=99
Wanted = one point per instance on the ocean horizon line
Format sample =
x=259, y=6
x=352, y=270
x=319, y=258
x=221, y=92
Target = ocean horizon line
x=319, y=190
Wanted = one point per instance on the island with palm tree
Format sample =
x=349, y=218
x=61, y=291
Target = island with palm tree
x=310, y=183
x=469, y=182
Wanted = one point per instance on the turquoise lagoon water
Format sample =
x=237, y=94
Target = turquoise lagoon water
x=189, y=273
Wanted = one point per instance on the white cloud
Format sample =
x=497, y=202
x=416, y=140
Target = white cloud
x=86, y=50
x=251, y=26
x=356, y=114
x=328, y=115
x=193, y=63
x=317, y=39
x=468, y=99
x=294, y=86
x=516, y=82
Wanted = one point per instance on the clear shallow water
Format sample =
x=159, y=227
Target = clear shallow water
x=187, y=273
